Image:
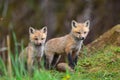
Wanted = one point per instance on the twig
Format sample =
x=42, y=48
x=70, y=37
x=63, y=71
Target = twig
x=3, y=49
x=9, y=67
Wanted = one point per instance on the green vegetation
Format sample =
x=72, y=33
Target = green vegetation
x=100, y=65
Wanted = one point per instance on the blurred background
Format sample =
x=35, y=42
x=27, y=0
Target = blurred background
x=18, y=15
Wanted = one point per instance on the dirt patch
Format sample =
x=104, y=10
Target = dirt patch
x=111, y=37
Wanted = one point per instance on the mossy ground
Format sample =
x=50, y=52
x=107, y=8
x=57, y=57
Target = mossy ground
x=100, y=65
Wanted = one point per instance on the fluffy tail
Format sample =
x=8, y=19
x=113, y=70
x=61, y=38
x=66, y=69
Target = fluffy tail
x=63, y=67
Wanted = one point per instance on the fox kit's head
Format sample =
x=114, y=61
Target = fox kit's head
x=80, y=30
x=38, y=37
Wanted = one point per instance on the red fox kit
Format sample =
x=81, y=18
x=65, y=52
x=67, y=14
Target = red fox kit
x=35, y=49
x=69, y=44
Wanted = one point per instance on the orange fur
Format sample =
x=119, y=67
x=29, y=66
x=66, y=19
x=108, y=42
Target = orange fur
x=70, y=43
x=35, y=48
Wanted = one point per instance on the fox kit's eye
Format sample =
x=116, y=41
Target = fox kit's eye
x=78, y=32
x=36, y=38
x=42, y=38
x=85, y=32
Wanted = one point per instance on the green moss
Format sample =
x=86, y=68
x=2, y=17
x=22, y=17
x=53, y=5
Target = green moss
x=100, y=65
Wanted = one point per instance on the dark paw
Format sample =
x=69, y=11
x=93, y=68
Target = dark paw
x=72, y=66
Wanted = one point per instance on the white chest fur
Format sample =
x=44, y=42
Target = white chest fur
x=78, y=47
x=39, y=51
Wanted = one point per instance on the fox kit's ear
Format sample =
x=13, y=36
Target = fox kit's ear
x=87, y=23
x=44, y=29
x=31, y=30
x=74, y=24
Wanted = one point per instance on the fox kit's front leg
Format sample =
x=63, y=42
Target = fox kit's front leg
x=75, y=60
x=69, y=56
x=70, y=60
x=30, y=64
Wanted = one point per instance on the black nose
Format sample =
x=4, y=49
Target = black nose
x=40, y=44
x=82, y=38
